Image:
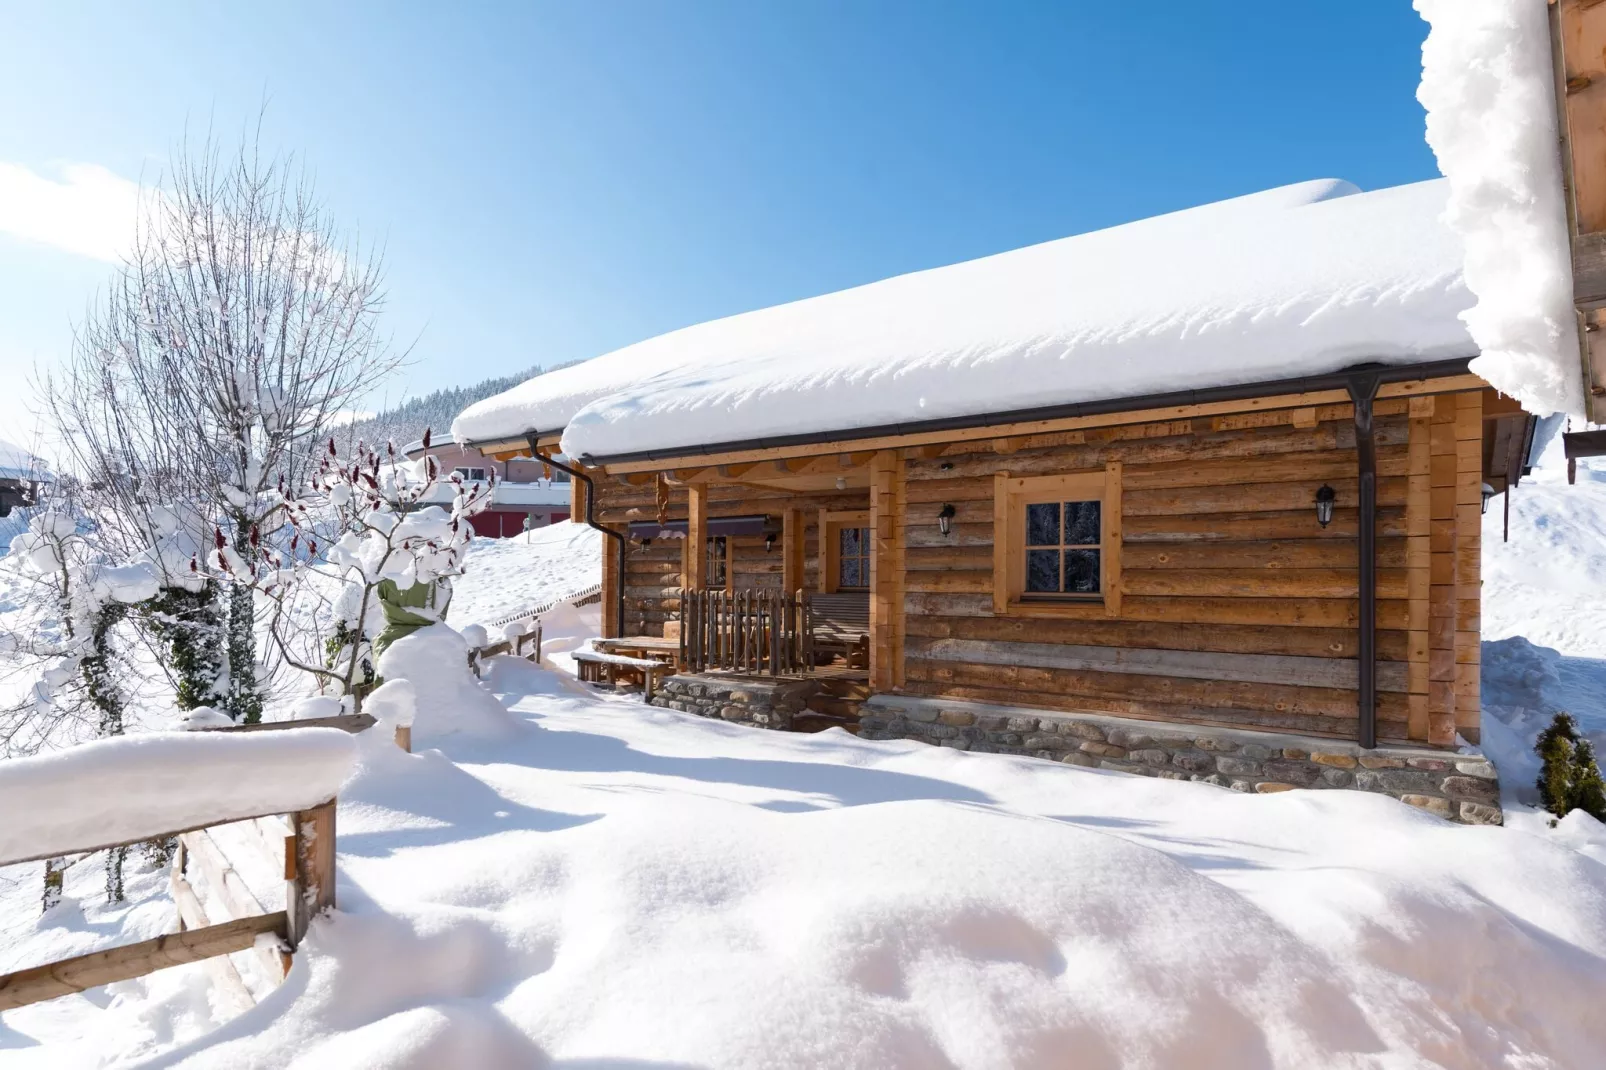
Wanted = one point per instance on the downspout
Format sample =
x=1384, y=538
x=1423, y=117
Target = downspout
x=591, y=521
x=1363, y=391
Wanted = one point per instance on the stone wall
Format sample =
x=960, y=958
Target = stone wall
x=743, y=699
x=1459, y=786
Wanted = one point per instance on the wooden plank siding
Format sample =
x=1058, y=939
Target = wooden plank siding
x=1237, y=608
x=1234, y=606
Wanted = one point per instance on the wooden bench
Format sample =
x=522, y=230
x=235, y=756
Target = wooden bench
x=841, y=624
x=594, y=665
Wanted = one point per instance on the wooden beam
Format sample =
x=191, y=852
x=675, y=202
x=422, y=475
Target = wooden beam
x=1407, y=388
x=229, y=887
x=736, y=471
x=885, y=567
x=225, y=977
x=791, y=550
x=696, y=538
x=311, y=886
x=84, y=972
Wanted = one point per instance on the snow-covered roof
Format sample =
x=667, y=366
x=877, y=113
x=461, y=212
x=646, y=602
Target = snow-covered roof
x=18, y=463
x=511, y=495
x=417, y=445
x=1299, y=280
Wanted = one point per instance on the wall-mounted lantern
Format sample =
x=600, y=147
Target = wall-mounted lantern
x=1488, y=492
x=945, y=519
x=769, y=541
x=1324, y=505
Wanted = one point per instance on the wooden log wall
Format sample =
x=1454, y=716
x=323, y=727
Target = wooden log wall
x=654, y=573
x=1238, y=608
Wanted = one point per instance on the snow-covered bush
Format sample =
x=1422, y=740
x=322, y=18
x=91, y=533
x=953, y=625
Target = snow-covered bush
x=360, y=561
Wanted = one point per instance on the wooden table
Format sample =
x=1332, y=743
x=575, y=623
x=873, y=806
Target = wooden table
x=641, y=646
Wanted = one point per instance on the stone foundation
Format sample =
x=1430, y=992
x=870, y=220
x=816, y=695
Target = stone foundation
x=754, y=700
x=1459, y=786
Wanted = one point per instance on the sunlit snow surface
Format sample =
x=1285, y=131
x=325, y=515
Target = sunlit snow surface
x=612, y=885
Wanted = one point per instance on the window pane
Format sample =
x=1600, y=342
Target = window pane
x=1082, y=571
x=849, y=574
x=1043, y=524
x=1043, y=571
x=848, y=541
x=1081, y=523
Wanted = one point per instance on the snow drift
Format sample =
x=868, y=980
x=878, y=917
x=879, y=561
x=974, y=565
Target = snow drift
x=1488, y=89
x=1299, y=280
x=135, y=787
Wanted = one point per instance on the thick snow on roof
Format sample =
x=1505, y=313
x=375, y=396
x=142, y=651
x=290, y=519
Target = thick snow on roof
x=1303, y=279
x=18, y=463
x=1488, y=90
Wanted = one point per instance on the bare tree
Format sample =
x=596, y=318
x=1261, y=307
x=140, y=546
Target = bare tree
x=242, y=328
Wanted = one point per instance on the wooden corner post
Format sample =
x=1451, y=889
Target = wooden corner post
x=309, y=868
x=886, y=568
x=696, y=537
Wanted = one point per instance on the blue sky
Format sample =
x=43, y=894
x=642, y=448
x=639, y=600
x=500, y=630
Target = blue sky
x=552, y=181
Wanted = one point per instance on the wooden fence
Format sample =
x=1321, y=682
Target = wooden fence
x=306, y=841
x=755, y=631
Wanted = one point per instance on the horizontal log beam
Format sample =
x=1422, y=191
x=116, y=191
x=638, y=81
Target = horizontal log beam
x=1184, y=664
x=84, y=972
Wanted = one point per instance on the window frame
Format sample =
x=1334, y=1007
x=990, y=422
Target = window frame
x=468, y=473
x=723, y=559
x=831, y=524
x=1011, y=496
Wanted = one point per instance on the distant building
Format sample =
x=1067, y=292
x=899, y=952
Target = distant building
x=522, y=498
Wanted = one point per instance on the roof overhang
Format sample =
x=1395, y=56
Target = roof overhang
x=1438, y=376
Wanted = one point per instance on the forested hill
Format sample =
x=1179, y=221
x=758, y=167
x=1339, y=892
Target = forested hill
x=406, y=422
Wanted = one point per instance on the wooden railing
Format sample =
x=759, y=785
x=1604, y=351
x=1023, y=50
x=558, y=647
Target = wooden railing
x=303, y=839
x=308, y=844
x=756, y=631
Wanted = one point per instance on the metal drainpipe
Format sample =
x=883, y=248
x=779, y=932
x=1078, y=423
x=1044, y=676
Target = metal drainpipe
x=591, y=505
x=1363, y=390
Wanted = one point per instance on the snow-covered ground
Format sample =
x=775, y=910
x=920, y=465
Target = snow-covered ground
x=506, y=576
x=623, y=886
x=595, y=883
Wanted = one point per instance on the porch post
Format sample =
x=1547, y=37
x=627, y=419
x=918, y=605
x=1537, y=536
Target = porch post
x=696, y=539
x=886, y=568
x=791, y=550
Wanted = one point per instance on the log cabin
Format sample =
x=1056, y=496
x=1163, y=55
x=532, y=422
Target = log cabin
x=1197, y=497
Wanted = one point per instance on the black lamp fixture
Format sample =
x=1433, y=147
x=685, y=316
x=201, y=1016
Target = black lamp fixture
x=945, y=519
x=1324, y=505
x=769, y=541
x=1488, y=492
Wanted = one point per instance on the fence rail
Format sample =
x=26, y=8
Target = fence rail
x=755, y=631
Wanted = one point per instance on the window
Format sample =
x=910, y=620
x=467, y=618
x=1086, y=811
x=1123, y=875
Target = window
x=1057, y=544
x=1062, y=547
x=852, y=558
x=471, y=475
x=716, y=569
x=844, y=550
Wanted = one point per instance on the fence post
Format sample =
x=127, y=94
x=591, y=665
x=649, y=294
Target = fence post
x=309, y=867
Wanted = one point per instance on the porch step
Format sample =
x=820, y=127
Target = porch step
x=839, y=698
x=831, y=706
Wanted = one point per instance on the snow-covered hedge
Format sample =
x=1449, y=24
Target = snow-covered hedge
x=134, y=787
